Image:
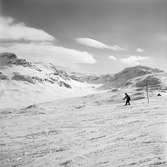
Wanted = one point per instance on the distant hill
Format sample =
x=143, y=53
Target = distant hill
x=131, y=76
x=125, y=77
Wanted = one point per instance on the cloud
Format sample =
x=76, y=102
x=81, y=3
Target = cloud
x=112, y=58
x=47, y=52
x=38, y=45
x=117, y=48
x=92, y=43
x=10, y=30
x=133, y=60
x=97, y=44
x=139, y=50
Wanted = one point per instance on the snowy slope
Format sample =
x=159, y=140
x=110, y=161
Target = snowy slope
x=91, y=131
x=85, y=132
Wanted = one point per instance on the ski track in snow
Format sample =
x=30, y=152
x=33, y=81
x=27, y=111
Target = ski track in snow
x=81, y=132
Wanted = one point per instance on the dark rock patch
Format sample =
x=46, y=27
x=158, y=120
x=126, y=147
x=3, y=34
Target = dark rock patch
x=8, y=59
x=20, y=77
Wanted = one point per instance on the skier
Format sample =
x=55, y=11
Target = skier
x=127, y=98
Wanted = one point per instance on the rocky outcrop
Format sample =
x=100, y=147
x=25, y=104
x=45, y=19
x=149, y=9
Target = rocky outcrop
x=20, y=77
x=8, y=59
x=43, y=73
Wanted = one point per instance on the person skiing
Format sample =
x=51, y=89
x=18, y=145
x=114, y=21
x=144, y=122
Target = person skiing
x=127, y=98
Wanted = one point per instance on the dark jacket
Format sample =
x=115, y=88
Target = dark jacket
x=127, y=97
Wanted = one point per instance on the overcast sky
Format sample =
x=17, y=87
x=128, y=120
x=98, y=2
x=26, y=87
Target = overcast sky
x=92, y=36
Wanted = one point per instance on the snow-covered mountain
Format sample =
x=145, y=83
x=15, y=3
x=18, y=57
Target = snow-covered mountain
x=25, y=83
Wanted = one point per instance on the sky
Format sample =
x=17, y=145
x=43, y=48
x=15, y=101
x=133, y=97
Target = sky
x=88, y=36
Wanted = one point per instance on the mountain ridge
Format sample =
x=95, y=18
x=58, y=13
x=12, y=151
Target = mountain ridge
x=25, y=83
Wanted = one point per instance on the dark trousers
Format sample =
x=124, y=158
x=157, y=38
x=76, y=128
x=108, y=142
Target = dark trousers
x=127, y=102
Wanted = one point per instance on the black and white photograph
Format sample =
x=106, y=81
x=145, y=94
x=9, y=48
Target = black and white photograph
x=83, y=83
